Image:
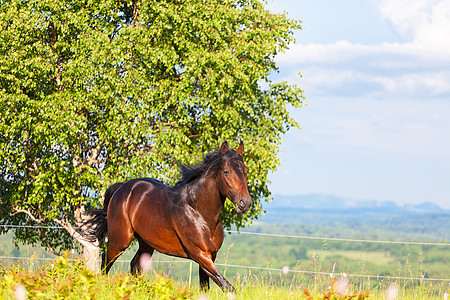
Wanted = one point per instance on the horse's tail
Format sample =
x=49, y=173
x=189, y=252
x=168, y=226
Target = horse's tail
x=95, y=228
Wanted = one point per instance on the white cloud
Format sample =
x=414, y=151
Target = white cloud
x=344, y=52
x=419, y=67
x=418, y=84
x=349, y=69
x=421, y=21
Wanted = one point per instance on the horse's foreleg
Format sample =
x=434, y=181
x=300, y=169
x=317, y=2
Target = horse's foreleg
x=208, y=268
x=203, y=253
x=204, y=278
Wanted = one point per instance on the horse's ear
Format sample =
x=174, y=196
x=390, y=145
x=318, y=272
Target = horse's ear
x=240, y=150
x=224, y=147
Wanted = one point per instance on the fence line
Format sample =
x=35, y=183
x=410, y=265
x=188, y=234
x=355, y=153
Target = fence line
x=33, y=226
x=257, y=268
x=276, y=235
x=337, y=239
x=337, y=274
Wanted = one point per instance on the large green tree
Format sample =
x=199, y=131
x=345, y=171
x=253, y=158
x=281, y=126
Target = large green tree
x=95, y=92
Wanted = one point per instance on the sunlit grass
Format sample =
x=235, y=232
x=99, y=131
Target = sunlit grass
x=67, y=279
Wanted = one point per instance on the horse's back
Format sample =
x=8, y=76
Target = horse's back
x=132, y=188
x=138, y=193
x=145, y=204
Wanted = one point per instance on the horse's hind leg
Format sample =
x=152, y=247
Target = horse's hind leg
x=103, y=265
x=136, y=262
x=120, y=234
x=113, y=252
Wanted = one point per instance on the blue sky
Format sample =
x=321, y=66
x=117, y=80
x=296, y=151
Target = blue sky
x=376, y=76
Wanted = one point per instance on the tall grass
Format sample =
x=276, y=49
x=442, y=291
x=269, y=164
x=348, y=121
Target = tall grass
x=66, y=279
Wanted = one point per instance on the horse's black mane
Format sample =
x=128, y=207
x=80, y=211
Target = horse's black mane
x=212, y=163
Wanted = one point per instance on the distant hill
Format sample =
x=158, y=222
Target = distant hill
x=332, y=210
x=322, y=202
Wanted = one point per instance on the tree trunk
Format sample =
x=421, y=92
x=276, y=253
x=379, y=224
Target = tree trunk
x=91, y=255
x=91, y=252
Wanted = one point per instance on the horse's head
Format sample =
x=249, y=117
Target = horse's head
x=233, y=178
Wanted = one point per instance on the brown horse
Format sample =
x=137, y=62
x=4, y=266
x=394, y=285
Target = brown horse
x=181, y=221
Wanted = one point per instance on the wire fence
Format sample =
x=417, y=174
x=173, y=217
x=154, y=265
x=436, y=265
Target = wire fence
x=338, y=239
x=282, y=270
x=12, y=258
x=276, y=235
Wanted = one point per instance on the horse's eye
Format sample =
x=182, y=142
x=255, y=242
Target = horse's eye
x=226, y=172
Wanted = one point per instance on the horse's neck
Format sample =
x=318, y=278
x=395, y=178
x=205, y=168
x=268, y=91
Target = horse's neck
x=209, y=202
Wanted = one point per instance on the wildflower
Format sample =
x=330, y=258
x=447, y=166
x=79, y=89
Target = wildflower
x=203, y=297
x=145, y=262
x=20, y=292
x=342, y=286
x=285, y=270
x=231, y=296
x=332, y=271
x=392, y=292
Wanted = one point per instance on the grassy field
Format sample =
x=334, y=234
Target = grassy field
x=267, y=255
x=64, y=279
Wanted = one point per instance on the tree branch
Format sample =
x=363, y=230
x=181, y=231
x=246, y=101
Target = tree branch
x=134, y=13
x=50, y=248
x=27, y=212
x=39, y=230
x=67, y=226
x=94, y=155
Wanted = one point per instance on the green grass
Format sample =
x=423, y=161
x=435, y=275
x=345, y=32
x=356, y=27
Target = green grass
x=65, y=279
x=238, y=249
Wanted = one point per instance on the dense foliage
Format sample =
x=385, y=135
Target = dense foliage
x=96, y=92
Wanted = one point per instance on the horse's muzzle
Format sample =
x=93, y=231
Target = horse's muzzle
x=244, y=205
